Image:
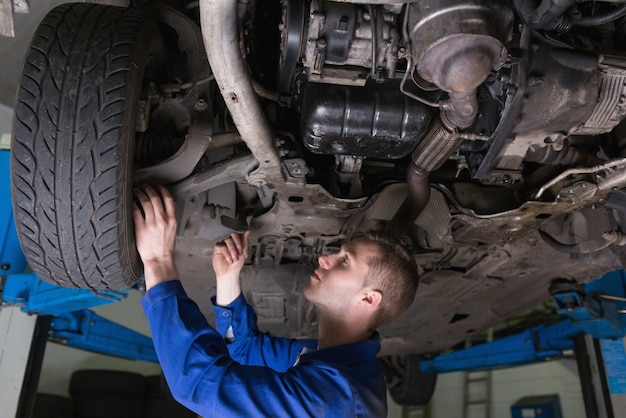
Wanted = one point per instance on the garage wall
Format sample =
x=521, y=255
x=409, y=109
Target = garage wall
x=508, y=386
x=6, y=116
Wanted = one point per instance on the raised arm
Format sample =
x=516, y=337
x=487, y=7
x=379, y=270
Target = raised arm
x=236, y=321
x=228, y=259
x=155, y=233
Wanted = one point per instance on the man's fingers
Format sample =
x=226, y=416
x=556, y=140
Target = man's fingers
x=245, y=239
x=146, y=204
x=233, y=247
x=233, y=251
x=168, y=202
x=220, y=248
x=237, y=241
x=155, y=200
x=137, y=214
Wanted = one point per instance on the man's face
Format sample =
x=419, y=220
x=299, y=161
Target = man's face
x=337, y=284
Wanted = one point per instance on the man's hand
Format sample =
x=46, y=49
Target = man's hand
x=155, y=233
x=228, y=259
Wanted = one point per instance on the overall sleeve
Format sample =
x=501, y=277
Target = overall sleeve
x=236, y=322
x=203, y=377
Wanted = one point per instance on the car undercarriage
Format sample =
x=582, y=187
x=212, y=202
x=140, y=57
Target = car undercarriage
x=486, y=135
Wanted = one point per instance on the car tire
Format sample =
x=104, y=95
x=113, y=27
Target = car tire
x=52, y=406
x=159, y=402
x=406, y=383
x=107, y=393
x=73, y=145
x=107, y=383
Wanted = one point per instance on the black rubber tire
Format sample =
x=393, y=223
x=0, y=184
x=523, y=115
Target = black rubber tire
x=108, y=407
x=165, y=408
x=73, y=145
x=159, y=402
x=52, y=406
x=107, y=383
x=406, y=383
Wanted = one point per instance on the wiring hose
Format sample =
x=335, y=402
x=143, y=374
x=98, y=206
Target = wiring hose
x=602, y=19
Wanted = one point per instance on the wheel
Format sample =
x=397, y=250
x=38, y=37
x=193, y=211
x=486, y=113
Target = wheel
x=108, y=406
x=407, y=384
x=107, y=383
x=159, y=401
x=52, y=406
x=107, y=393
x=73, y=145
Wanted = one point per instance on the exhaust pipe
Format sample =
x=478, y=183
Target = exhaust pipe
x=432, y=151
x=456, y=62
x=218, y=20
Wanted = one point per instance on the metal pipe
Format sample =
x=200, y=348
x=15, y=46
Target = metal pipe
x=415, y=202
x=432, y=151
x=218, y=20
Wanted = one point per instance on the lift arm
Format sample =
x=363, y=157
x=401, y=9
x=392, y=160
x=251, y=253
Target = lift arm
x=89, y=331
x=530, y=346
x=596, y=308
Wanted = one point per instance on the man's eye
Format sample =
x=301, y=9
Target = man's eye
x=344, y=260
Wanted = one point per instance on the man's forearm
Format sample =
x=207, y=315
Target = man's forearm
x=156, y=272
x=228, y=288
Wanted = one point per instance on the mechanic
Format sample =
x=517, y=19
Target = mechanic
x=236, y=370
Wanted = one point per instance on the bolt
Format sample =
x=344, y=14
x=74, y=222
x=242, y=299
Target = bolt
x=201, y=105
x=504, y=179
x=336, y=145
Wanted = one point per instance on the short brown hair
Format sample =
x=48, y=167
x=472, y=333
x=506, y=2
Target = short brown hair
x=394, y=274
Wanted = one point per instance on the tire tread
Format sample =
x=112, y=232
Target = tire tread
x=68, y=182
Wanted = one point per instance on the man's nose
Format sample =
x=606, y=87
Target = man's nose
x=324, y=261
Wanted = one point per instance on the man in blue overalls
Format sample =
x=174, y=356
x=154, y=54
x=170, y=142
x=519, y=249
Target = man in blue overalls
x=235, y=370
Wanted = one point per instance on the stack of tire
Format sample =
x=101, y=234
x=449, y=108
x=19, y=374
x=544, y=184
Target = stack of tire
x=107, y=393
x=52, y=406
x=159, y=402
x=119, y=394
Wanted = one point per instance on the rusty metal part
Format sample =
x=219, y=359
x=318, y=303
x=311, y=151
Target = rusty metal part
x=181, y=164
x=214, y=177
x=614, y=177
x=547, y=154
x=218, y=19
x=415, y=202
x=432, y=151
x=458, y=60
x=436, y=146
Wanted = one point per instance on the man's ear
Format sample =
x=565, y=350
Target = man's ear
x=372, y=298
